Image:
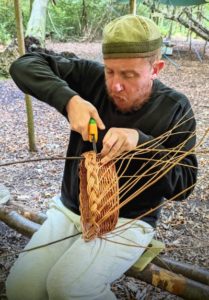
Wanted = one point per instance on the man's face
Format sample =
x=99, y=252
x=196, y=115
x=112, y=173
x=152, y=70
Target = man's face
x=129, y=82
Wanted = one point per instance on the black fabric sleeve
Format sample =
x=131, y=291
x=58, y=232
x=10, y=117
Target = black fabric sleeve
x=181, y=137
x=51, y=79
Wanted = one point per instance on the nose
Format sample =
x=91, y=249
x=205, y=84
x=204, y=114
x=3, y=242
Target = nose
x=117, y=85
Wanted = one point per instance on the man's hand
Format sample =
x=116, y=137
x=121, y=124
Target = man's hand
x=79, y=113
x=117, y=141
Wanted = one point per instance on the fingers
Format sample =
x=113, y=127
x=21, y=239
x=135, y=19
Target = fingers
x=117, y=141
x=95, y=115
x=113, y=152
x=79, y=113
x=80, y=124
x=112, y=145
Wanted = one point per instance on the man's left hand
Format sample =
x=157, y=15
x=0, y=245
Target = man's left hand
x=117, y=141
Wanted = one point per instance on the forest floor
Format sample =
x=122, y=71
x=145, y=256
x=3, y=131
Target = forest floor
x=184, y=225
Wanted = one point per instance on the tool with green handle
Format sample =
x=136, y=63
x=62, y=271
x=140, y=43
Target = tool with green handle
x=93, y=133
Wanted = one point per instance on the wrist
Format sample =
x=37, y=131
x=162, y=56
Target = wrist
x=69, y=103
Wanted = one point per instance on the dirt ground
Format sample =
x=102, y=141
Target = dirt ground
x=184, y=225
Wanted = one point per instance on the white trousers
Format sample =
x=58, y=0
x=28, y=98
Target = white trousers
x=75, y=269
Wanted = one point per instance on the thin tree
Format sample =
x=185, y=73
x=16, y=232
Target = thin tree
x=36, y=26
x=28, y=102
x=132, y=4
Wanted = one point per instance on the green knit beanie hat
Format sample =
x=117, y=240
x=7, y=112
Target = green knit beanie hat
x=130, y=36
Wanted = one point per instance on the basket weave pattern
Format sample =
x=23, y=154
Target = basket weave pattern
x=99, y=196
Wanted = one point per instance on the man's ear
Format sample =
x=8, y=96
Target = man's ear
x=157, y=67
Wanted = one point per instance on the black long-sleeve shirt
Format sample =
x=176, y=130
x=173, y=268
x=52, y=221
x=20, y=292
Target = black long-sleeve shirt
x=54, y=80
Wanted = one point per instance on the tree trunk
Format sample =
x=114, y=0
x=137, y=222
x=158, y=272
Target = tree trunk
x=171, y=24
x=132, y=7
x=84, y=18
x=37, y=23
x=31, y=4
x=28, y=101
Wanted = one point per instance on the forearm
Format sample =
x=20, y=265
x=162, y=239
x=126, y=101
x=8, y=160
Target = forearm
x=34, y=75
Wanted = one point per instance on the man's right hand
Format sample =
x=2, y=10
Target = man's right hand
x=79, y=113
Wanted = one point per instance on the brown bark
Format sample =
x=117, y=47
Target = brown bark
x=171, y=282
x=190, y=271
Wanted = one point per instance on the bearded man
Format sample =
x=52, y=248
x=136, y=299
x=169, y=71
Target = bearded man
x=131, y=107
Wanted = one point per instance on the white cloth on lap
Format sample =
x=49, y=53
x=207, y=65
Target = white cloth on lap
x=73, y=268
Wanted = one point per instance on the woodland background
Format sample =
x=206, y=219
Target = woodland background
x=80, y=20
x=76, y=26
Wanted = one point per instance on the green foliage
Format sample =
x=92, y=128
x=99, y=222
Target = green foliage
x=4, y=35
x=78, y=19
x=7, y=19
x=7, y=24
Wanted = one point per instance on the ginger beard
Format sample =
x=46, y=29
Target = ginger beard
x=132, y=102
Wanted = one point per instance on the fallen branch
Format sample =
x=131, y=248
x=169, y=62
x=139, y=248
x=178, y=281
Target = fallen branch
x=190, y=23
x=37, y=217
x=19, y=223
x=171, y=282
x=190, y=271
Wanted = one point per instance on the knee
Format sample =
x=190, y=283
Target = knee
x=56, y=288
x=21, y=284
x=16, y=288
x=65, y=288
x=60, y=286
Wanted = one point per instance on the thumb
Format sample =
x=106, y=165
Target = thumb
x=98, y=120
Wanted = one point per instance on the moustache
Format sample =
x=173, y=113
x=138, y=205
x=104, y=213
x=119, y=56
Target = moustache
x=118, y=98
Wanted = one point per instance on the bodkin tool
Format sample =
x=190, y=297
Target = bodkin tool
x=93, y=133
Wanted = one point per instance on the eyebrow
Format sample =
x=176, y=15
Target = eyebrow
x=122, y=71
x=128, y=71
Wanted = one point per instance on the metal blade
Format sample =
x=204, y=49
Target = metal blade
x=94, y=144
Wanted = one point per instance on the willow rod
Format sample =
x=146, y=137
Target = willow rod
x=40, y=159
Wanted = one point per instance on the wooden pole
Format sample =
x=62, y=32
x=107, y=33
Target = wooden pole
x=132, y=7
x=28, y=101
